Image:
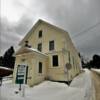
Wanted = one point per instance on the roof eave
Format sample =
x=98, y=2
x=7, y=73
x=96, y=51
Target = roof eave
x=34, y=27
x=29, y=33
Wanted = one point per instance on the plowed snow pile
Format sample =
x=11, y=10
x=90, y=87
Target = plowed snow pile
x=81, y=88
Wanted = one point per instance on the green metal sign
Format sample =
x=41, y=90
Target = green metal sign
x=21, y=76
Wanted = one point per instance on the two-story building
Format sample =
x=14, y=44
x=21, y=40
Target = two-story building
x=49, y=53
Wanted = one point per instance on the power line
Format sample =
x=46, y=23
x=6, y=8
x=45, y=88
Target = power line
x=86, y=30
x=78, y=34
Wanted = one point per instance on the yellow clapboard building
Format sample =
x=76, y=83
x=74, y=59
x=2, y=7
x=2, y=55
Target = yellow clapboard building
x=49, y=53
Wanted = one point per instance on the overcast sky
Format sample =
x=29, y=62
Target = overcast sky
x=81, y=18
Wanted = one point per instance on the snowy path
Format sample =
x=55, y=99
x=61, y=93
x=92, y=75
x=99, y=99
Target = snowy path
x=96, y=80
x=81, y=89
x=45, y=91
x=84, y=81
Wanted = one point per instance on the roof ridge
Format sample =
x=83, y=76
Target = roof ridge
x=36, y=24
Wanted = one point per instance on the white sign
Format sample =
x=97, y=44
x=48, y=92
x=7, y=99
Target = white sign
x=21, y=74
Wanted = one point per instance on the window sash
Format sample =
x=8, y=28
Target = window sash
x=39, y=47
x=51, y=45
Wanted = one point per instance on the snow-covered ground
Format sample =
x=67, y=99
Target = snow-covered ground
x=84, y=81
x=97, y=70
x=81, y=88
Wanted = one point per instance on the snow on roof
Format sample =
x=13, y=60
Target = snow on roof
x=5, y=68
x=30, y=50
x=35, y=50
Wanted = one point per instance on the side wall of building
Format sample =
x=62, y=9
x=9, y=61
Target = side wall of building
x=25, y=59
x=62, y=41
x=73, y=56
x=32, y=61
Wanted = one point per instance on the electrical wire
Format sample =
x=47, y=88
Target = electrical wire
x=86, y=30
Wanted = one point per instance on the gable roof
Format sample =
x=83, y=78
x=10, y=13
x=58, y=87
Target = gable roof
x=36, y=25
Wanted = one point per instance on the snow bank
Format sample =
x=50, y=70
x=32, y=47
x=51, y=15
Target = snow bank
x=84, y=81
x=5, y=68
x=45, y=91
x=97, y=70
x=79, y=90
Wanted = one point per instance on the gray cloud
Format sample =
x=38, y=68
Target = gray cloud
x=74, y=16
x=12, y=33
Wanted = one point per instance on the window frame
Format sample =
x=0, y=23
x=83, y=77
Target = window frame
x=51, y=45
x=56, y=62
x=40, y=67
x=39, y=47
x=40, y=34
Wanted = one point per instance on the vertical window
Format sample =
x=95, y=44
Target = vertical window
x=51, y=45
x=40, y=47
x=40, y=33
x=69, y=57
x=55, y=60
x=40, y=67
x=73, y=63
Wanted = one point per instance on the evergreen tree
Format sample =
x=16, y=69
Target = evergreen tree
x=8, y=58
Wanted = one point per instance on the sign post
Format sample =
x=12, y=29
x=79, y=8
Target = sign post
x=67, y=68
x=21, y=77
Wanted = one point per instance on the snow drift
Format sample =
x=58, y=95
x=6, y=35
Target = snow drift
x=81, y=88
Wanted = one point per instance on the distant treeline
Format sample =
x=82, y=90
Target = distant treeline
x=8, y=59
x=94, y=63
